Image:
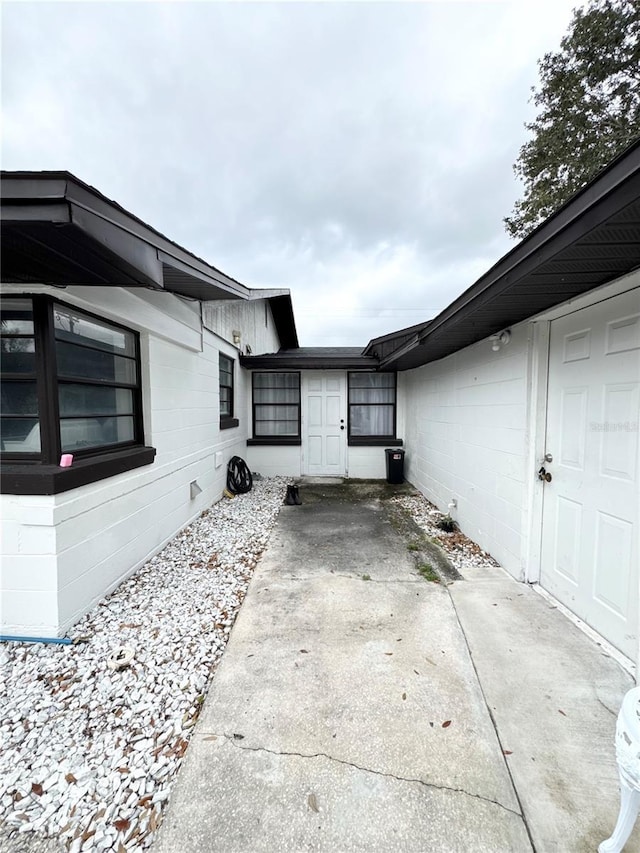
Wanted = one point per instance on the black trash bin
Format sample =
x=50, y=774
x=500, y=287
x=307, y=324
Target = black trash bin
x=395, y=465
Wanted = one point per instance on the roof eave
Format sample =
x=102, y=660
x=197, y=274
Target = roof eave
x=56, y=212
x=507, y=288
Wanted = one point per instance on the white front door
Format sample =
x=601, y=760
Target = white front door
x=323, y=423
x=590, y=506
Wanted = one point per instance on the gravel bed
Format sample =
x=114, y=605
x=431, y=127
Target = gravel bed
x=462, y=551
x=89, y=754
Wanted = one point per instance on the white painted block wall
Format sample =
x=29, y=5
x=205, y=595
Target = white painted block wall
x=465, y=431
x=61, y=554
x=273, y=460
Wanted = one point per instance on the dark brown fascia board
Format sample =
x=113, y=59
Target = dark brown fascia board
x=266, y=362
x=101, y=217
x=559, y=231
x=284, y=319
x=400, y=333
x=614, y=188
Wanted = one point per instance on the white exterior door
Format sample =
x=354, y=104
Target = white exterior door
x=324, y=424
x=591, y=505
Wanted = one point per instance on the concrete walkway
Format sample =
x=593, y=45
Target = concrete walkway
x=359, y=707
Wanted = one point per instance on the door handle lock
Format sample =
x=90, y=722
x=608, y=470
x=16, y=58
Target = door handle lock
x=544, y=475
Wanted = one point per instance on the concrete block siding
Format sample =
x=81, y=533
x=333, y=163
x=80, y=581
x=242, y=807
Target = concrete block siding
x=466, y=439
x=363, y=463
x=61, y=554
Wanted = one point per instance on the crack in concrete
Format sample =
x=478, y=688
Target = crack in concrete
x=356, y=577
x=235, y=741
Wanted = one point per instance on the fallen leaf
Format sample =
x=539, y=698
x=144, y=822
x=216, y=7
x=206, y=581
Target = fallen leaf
x=416, y=672
x=446, y=724
x=431, y=724
x=404, y=695
x=313, y=803
x=507, y=752
x=122, y=848
x=122, y=825
x=70, y=778
x=388, y=653
x=153, y=821
x=211, y=737
x=87, y=835
x=36, y=789
x=238, y=737
x=123, y=770
x=304, y=652
x=561, y=712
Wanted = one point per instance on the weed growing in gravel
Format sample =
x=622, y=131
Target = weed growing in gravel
x=366, y=577
x=447, y=524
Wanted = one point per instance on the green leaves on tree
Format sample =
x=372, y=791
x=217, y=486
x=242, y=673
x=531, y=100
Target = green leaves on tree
x=589, y=109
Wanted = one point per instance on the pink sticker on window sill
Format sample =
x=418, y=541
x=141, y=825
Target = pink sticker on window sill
x=66, y=460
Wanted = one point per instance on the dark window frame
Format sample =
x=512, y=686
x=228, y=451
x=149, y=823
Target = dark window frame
x=283, y=440
x=373, y=440
x=227, y=421
x=39, y=472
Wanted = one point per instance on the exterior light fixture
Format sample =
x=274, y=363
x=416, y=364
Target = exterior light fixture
x=501, y=339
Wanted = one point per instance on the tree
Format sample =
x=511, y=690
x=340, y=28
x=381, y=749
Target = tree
x=589, y=100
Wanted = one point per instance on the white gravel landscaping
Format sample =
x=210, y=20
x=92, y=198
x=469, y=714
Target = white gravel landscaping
x=463, y=552
x=88, y=755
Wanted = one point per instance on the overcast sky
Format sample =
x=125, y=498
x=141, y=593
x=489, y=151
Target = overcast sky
x=358, y=153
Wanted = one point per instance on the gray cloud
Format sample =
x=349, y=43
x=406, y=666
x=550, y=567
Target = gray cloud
x=357, y=153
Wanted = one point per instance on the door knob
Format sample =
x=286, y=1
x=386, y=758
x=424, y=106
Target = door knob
x=544, y=475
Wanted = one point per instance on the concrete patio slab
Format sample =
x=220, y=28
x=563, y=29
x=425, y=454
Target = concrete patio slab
x=347, y=681
x=554, y=696
x=360, y=708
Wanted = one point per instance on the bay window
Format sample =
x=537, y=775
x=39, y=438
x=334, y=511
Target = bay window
x=70, y=384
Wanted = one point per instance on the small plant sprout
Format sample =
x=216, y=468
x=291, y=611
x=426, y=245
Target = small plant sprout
x=447, y=524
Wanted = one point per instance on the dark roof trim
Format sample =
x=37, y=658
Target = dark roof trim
x=284, y=320
x=314, y=358
x=57, y=213
x=592, y=239
x=383, y=346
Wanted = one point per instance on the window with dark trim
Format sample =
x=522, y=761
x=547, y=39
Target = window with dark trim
x=372, y=408
x=226, y=393
x=70, y=384
x=276, y=408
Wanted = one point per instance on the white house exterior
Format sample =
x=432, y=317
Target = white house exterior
x=518, y=408
x=66, y=544
x=480, y=423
